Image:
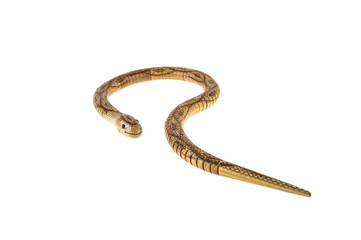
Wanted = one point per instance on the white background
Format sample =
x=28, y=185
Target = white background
x=289, y=73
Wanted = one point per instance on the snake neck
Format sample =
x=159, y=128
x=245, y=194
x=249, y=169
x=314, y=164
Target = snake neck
x=110, y=113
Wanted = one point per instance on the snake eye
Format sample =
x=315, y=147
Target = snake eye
x=123, y=126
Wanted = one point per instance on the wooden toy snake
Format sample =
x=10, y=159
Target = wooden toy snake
x=175, y=134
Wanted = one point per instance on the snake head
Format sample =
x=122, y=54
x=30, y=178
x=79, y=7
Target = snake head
x=129, y=126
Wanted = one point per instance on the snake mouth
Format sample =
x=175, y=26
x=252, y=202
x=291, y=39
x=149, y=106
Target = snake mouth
x=133, y=134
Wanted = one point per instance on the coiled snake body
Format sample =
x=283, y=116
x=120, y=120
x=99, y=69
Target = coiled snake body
x=175, y=134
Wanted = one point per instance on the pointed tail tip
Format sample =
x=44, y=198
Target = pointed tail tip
x=306, y=194
x=299, y=191
x=293, y=190
x=239, y=173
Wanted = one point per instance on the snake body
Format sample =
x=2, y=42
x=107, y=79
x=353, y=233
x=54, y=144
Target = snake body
x=175, y=134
